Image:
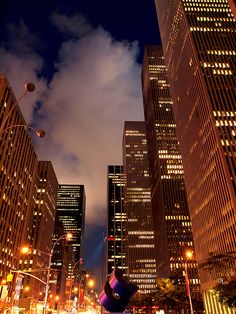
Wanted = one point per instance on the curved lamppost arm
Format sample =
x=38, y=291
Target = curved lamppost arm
x=27, y=274
x=38, y=132
x=29, y=87
x=49, y=268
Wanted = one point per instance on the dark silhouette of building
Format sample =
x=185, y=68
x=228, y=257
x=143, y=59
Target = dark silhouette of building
x=60, y=265
x=171, y=218
x=140, y=253
x=71, y=212
x=198, y=40
x=18, y=164
x=116, y=219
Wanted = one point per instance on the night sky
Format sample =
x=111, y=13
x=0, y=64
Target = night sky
x=85, y=59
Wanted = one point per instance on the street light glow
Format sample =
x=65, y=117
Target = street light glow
x=25, y=250
x=189, y=254
x=69, y=236
x=91, y=283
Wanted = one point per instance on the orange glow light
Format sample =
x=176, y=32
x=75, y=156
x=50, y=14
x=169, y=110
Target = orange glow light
x=189, y=254
x=25, y=250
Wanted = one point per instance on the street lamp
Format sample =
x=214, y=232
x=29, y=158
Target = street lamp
x=26, y=250
x=91, y=283
x=67, y=236
x=80, y=262
x=189, y=256
x=29, y=88
x=38, y=132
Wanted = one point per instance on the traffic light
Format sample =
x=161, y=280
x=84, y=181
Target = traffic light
x=117, y=292
x=9, y=277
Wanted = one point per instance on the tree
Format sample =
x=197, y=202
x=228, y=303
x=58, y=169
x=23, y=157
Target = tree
x=226, y=293
x=168, y=295
x=223, y=266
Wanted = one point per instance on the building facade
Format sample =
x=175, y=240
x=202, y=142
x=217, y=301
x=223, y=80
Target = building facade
x=40, y=235
x=71, y=213
x=18, y=164
x=198, y=40
x=140, y=253
x=171, y=218
x=60, y=265
x=116, y=220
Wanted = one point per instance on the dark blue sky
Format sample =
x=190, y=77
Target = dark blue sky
x=125, y=19
x=31, y=48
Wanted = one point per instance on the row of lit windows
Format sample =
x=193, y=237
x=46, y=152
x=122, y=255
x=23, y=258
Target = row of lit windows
x=168, y=177
x=141, y=233
x=225, y=123
x=143, y=276
x=201, y=9
x=227, y=143
x=214, y=19
x=174, y=172
x=207, y=1
x=222, y=52
x=174, y=167
x=223, y=72
x=224, y=113
x=215, y=65
x=141, y=246
x=150, y=265
x=206, y=4
x=209, y=29
x=180, y=217
x=146, y=261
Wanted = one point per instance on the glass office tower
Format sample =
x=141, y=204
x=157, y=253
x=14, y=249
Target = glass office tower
x=140, y=252
x=116, y=219
x=171, y=218
x=71, y=212
x=198, y=40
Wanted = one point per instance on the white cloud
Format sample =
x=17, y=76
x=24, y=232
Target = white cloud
x=96, y=88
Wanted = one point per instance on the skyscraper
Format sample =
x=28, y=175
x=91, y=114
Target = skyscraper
x=40, y=234
x=140, y=253
x=171, y=218
x=116, y=219
x=60, y=263
x=71, y=212
x=18, y=163
x=198, y=40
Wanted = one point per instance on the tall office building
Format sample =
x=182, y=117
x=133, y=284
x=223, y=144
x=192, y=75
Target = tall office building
x=40, y=233
x=18, y=163
x=171, y=218
x=116, y=219
x=60, y=264
x=198, y=40
x=140, y=253
x=71, y=212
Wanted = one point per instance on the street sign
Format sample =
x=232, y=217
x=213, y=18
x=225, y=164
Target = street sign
x=3, y=292
x=18, y=287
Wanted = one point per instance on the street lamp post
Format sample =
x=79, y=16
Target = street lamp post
x=38, y=132
x=189, y=255
x=80, y=262
x=67, y=236
x=29, y=88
